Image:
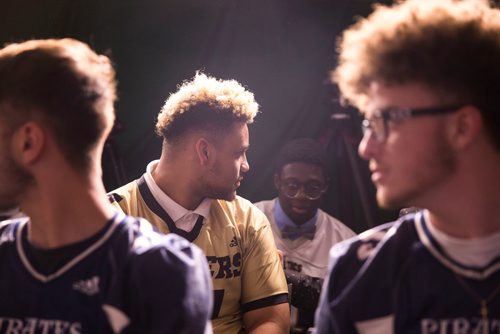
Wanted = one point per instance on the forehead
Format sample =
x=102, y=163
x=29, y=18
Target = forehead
x=302, y=171
x=407, y=95
x=236, y=136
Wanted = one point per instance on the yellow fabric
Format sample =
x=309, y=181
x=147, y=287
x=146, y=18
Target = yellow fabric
x=240, y=249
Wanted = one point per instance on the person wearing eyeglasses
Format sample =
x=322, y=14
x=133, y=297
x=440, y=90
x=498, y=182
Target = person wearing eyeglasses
x=426, y=77
x=302, y=231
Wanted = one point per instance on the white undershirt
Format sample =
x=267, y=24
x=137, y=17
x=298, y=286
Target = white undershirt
x=469, y=252
x=183, y=218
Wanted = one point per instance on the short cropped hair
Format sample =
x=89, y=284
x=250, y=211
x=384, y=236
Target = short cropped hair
x=450, y=46
x=65, y=85
x=305, y=150
x=205, y=103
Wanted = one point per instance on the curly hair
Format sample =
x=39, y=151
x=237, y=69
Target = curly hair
x=304, y=150
x=452, y=47
x=205, y=103
x=70, y=87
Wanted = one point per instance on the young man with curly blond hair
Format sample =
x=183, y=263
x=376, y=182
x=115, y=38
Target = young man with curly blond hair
x=426, y=75
x=191, y=191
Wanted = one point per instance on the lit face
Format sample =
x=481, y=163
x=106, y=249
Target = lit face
x=411, y=167
x=297, y=183
x=13, y=178
x=230, y=163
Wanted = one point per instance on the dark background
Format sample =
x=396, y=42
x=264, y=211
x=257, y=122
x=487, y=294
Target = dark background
x=281, y=50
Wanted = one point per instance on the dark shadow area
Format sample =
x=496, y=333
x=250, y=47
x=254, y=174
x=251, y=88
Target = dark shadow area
x=282, y=50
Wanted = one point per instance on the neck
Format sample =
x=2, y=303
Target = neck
x=66, y=208
x=467, y=222
x=173, y=177
x=473, y=209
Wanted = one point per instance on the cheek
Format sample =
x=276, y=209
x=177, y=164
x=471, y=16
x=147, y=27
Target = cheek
x=284, y=201
x=236, y=168
x=402, y=154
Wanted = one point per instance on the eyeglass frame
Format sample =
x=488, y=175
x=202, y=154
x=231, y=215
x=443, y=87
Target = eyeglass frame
x=302, y=189
x=399, y=114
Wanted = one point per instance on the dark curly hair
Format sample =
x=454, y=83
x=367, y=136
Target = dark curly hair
x=304, y=150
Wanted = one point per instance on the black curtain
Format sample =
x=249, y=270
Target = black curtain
x=282, y=50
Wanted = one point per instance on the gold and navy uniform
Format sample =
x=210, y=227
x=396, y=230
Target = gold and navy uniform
x=239, y=246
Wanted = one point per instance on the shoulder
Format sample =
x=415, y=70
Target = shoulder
x=125, y=193
x=238, y=203
x=386, y=238
x=242, y=211
x=153, y=257
x=8, y=229
x=266, y=206
x=366, y=266
x=163, y=275
x=377, y=252
x=334, y=226
x=147, y=245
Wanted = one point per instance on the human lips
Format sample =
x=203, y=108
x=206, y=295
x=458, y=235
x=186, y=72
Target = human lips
x=298, y=209
x=377, y=173
x=238, y=183
x=376, y=176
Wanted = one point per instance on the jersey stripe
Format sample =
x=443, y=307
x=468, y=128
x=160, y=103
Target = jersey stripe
x=118, y=216
x=435, y=249
x=158, y=210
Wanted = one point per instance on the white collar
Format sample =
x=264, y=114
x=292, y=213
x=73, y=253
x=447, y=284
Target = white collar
x=174, y=209
x=470, y=252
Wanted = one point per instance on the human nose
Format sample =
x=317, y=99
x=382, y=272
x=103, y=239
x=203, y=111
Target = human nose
x=301, y=192
x=245, y=166
x=368, y=145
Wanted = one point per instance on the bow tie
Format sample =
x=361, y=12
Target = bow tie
x=295, y=232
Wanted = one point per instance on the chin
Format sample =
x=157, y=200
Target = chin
x=389, y=201
x=300, y=219
x=385, y=201
x=224, y=195
x=230, y=196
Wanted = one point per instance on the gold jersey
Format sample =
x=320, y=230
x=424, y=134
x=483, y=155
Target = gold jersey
x=239, y=246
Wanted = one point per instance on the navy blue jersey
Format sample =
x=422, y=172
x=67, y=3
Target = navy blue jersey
x=397, y=279
x=129, y=280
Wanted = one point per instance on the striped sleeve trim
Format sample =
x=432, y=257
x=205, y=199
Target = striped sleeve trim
x=268, y=301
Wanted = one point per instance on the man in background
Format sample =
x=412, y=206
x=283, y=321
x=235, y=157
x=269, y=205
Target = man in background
x=76, y=265
x=303, y=232
x=426, y=76
x=191, y=191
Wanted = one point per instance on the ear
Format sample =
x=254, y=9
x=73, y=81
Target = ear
x=277, y=181
x=205, y=152
x=465, y=127
x=28, y=143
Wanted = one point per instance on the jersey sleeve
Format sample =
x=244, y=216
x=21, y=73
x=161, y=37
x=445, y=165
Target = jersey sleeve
x=167, y=289
x=324, y=317
x=263, y=279
x=119, y=198
x=348, y=260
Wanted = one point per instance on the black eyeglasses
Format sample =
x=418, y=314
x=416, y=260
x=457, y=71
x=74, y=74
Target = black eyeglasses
x=378, y=123
x=312, y=191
